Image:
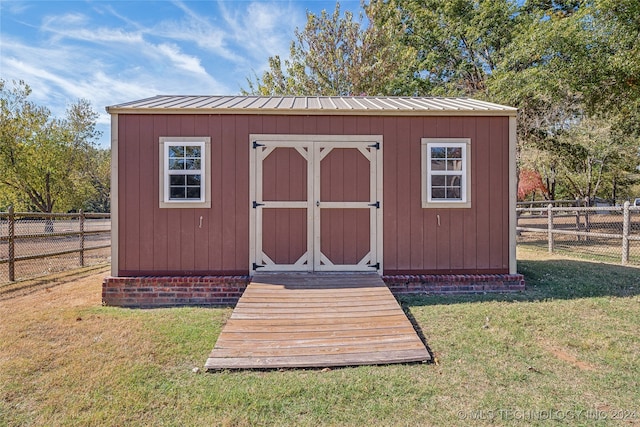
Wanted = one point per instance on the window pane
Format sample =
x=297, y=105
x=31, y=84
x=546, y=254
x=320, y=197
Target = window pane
x=445, y=170
x=176, y=164
x=177, y=193
x=454, y=153
x=177, y=180
x=193, y=180
x=438, y=165
x=453, y=193
x=437, y=193
x=184, y=171
x=438, y=180
x=192, y=164
x=193, y=192
x=438, y=152
x=193, y=152
x=454, y=180
x=454, y=165
x=176, y=151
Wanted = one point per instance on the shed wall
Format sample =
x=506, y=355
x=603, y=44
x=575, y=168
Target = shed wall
x=154, y=241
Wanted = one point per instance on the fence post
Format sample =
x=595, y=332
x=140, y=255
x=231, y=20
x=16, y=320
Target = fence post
x=626, y=220
x=550, y=226
x=587, y=219
x=577, y=205
x=12, y=242
x=81, y=238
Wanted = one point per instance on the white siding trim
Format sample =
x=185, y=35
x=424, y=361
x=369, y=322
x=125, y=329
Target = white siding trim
x=513, y=194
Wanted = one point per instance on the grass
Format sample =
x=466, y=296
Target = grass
x=565, y=351
x=595, y=250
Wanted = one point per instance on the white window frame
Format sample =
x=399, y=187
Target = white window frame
x=427, y=173
x=205, y=171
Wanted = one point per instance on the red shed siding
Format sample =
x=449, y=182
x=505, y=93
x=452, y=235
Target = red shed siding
x=284, y=230
x=169, y=241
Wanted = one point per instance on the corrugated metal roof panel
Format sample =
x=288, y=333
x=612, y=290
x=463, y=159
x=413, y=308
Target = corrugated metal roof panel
x=346, y=105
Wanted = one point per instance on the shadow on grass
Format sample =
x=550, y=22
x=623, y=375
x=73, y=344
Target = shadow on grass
x=552, y=279
x=419, y=332
x=28, y=286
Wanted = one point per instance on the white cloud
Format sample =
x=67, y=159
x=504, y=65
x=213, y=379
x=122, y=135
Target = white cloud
x=98, y=52
x=14, y=7
x=78, y=27
x=184, y=62
x=194, y=28
x=262, y=29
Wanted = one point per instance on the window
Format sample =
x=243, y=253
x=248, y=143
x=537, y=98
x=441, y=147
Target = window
x=446, y=173
x=184, y=166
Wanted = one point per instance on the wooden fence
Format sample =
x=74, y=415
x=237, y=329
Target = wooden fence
x=36, y=236
x=586, y=226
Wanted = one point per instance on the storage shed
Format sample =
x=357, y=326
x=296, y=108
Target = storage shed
x=207, y=190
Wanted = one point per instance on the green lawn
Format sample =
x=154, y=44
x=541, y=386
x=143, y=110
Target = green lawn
x=565, y=351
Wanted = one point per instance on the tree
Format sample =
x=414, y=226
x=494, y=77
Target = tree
x=43, y=159
x=571, y=67
x=98, y=174
x=568, y=71
x=530, y=182
x=615, y=61
x=458, y=43
x=335, y=55
x=594, y=152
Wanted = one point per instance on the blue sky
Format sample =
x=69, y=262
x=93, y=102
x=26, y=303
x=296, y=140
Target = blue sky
x=115, y=51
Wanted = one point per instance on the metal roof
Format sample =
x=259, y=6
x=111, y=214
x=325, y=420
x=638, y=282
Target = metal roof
x=311, y=105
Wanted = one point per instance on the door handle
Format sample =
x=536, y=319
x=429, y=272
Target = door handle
x=318, y=203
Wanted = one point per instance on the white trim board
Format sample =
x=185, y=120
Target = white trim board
x=513, y=194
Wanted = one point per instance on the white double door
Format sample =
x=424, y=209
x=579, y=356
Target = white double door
x=316, y=203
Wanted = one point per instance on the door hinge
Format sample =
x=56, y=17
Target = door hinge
x=376, y=146
x=376, y=266
x=256, y=266
x=376, y=205
x=256, y=145
x=256, y=204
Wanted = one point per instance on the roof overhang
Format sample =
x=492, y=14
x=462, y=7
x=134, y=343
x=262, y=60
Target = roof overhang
x=316, y=106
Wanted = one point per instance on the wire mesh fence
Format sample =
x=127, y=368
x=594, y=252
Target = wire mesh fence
x=602, y=233
x=36, y=244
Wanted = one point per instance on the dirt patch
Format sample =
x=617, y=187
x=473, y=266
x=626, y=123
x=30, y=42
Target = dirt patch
x=563, y=355
x=56, y=344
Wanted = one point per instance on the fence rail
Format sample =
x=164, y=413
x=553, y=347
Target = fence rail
x=609, y=233
x=63, y=240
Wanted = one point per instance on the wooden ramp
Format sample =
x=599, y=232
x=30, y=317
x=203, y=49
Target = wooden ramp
x=287, y=320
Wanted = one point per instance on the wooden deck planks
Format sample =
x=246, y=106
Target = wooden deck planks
x=296, y=320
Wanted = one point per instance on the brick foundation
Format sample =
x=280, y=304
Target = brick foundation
x=151, y=291
x=437, y=284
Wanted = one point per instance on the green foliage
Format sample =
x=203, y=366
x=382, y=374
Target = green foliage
x=336, y=55
x=459, y=43
x=45, y=161
x=570, y=72
x=98, y=174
